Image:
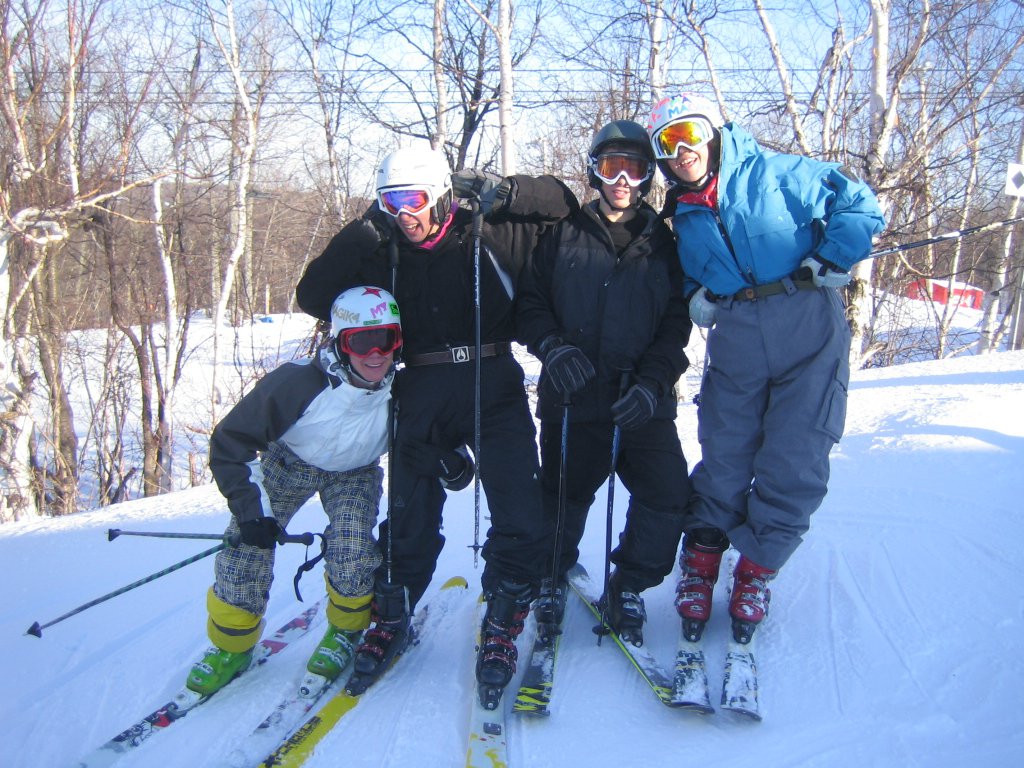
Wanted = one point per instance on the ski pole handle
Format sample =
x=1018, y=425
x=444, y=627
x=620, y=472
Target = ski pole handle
x=306, y=538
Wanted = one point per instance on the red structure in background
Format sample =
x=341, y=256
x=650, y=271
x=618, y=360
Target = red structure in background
x=943, y=292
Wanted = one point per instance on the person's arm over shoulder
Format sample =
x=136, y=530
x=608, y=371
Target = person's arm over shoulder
x=273, y=405
x=853, y=216
x=354, y=256
x=538, y=198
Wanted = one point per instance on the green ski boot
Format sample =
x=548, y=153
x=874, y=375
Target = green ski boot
x=217, y=669
x=332, y=656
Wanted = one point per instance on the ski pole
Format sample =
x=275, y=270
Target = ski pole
x=37, y=628
x=956, y=233
x=478, y=221
x=556, y=556
x=392, y=424
x=230, y=540
x=616, y=442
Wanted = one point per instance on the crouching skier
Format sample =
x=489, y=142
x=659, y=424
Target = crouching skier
x=310, y=426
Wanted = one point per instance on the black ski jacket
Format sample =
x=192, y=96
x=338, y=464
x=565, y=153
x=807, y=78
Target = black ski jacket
x=625, y=311
x=435, y=286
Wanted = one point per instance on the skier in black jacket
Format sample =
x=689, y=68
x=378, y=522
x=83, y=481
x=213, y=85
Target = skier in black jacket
x=603, y=307
x=418, y=239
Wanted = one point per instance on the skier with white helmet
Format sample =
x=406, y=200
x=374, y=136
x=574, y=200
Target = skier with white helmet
x=603, y=301
x=311, y=426
x=765, y=239
x=419, y=239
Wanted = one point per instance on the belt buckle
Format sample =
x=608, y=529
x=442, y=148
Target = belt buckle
x=460, y=354
x=750, y=294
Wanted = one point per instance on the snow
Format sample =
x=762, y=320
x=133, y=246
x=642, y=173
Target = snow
x=894, y=636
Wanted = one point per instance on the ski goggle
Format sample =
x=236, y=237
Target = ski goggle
x=412, y=200
x=691, y=132
x=610, y=167
x=362, y=342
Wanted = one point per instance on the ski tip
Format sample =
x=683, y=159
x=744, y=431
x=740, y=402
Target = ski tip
x=35, y=630
x=455, y=581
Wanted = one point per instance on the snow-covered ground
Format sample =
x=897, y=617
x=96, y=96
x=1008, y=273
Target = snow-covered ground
x=894, y=637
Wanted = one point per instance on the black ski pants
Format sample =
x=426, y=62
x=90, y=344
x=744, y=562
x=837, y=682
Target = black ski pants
x=436, y=402
x=653, y=471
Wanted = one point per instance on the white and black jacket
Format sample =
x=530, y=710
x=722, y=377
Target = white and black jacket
x=316, y=415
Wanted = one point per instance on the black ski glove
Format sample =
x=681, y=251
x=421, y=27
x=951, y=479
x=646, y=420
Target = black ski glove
x=261, y=532
x=635, y=408
x=492, y=190
x=453, y=468
x=568, y=368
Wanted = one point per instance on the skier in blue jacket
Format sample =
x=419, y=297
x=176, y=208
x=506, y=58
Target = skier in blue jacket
x=765, y=239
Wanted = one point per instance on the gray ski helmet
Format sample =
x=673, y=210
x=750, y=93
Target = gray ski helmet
x=624, y=132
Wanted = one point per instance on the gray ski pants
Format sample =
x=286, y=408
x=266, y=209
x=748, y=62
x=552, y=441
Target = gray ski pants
x=772, y=405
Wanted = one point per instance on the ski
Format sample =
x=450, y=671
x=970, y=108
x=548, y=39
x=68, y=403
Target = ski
x=690, y=688
x=660, y=681
x=185, y=701
x=537, y=683
x=739, y=681
x=488, y=743
x=294, y=750
x=281, y=721
x=739, y=685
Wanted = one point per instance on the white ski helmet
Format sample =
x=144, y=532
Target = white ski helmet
x=411, y=169
x=364, y=308
x=676, y=108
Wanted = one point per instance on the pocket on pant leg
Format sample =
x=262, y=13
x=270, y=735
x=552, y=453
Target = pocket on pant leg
x=832, y=419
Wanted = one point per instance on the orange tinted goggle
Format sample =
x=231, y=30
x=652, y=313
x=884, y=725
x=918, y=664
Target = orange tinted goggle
x=408, y=199
x=611, y=167
x=692, y=132
x=361, y=342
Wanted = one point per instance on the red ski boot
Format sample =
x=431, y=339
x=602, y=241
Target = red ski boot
x=696, y=584
x=750, y=598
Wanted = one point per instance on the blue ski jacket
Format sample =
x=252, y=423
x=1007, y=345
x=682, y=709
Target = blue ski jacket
x=773, y=211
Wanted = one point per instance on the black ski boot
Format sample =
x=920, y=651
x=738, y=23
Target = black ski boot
x=549, y=609
x=507, y=608
x=625, y=610
x=386, y=638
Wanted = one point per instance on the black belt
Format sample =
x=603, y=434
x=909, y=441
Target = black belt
x=459, y=354
x=754, y=292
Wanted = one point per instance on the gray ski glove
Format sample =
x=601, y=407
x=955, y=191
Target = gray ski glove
x=824, y=273
x=702, y=309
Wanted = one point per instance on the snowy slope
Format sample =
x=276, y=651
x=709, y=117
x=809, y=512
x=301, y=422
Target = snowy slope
x=894, y=638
